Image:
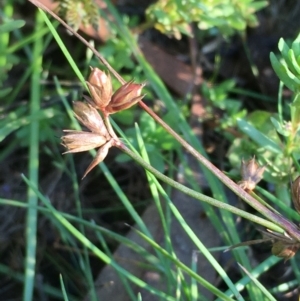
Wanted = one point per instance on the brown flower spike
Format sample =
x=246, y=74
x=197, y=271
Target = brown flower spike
x=80, y=141
x=251, y=174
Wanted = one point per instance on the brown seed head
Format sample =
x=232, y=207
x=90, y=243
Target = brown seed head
x=125, y=97
x=100, y=87
x=251, y=174
x=296, y=193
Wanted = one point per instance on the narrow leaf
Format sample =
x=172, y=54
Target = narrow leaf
x=12, y=25
x=260, y=138
x=282, y=72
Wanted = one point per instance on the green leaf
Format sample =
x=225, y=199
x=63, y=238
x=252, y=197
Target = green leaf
x=284, y=74
x=295, y=111
x=285, y=52
x=257, y=136
x=257, y=5
x=157, y=161
x=296, y=46
x=11, y=25
x=283, y=47
x=5, y=92
x=294, y=62
x=16, y=120
x=125, y=117
x=147, y=124
x=165, y=142
x=280, y=128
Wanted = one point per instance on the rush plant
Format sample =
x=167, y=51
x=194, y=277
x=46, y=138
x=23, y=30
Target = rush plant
x=103, y=134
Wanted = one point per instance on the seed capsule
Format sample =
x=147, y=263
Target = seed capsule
x=125, y=97
x=100, y=87
x=251, y=174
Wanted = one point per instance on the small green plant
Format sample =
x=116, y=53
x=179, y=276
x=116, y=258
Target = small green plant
x=218, y=96
x=79, y=12
x=287, y=69
x=173, y=17
x=274, y=137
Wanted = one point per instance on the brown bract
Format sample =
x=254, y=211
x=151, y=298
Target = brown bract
x=88, y=116
x=100, y=156
x=80, y=141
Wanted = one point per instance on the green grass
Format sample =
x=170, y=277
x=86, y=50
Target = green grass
x=38, y=126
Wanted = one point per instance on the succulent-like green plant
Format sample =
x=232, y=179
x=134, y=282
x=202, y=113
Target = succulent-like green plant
x=173, y=17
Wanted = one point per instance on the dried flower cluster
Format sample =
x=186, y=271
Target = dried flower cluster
x=251, y=174
x=103, y=99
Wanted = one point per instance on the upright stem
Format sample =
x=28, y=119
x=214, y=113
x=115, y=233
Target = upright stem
x=33, y=168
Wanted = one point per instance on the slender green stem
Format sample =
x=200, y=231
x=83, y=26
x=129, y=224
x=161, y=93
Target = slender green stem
x=94, y=249
x=47, y=288
x=31, y=227
x=181, y=265
x=290, y=227
x=197, y=195
x=219, y=269
x=4, y=41
x=86, y=265
x=253, y=194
